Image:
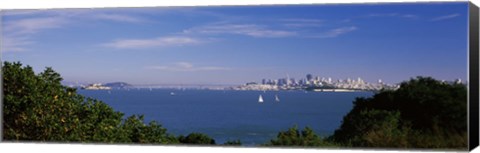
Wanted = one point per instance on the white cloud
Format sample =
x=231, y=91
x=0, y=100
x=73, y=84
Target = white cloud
x=186, y=67
x=19, y=12
x=445, y=17
x=16, y=34
x=119, y=18
x=252, y=30
x=336, y=32
x=411, y=16
x=398, y=15
x=33, y=25
x=153, y=42
x=382, y=15
x=301, y=22
x=302, y=25
x=14, y=44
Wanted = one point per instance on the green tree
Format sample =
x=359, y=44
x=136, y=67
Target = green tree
x=39, y=108
x=196, y=138
x=421, y=109
x=294, y=137
x=138, y=132
x=233, y=143
x=373, y=128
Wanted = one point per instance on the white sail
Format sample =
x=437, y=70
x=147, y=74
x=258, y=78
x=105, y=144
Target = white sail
x=172, y=94
x=277, y=99
x=260, y=99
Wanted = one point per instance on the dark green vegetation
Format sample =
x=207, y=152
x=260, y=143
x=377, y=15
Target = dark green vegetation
x=233, y=143
x=422, y=113
x=39, y=108
x=294, y=137
x=196, y=138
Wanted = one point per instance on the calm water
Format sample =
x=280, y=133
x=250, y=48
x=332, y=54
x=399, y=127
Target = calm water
x=231, y=115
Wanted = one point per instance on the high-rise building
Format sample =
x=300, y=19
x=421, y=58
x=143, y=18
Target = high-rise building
x=283, y=81
x=292, y=81
x=309, y=77
x=359, y=80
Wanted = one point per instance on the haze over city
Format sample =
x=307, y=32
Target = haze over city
x=239, y=44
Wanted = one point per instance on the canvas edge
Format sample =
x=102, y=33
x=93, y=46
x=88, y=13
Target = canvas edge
x=473, y=85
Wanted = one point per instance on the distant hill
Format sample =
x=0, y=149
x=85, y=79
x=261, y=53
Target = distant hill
x=117, y=85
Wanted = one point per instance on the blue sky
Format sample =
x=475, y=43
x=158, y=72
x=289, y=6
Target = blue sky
x=238, y=44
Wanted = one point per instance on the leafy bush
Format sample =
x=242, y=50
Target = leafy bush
x=422, y=113
x=233, y=143
x=294, y=137
x=196, y=138
x=138, y=132
x=39, y=108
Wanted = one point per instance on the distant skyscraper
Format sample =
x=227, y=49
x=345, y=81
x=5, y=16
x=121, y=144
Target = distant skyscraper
x=283, y=81
x=359, y=80
x=309, y=77
x=292, y=81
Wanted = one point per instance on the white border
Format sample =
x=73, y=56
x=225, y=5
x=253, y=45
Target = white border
x=45, y=4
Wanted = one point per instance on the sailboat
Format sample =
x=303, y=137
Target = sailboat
x=172, y=94
x=260, y=99
x=276, y=98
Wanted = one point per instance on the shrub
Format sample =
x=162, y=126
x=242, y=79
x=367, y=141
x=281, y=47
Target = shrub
x=233, y=143
x=39, y=108
x=294, y=137
x=196, y=138
x=421, y=110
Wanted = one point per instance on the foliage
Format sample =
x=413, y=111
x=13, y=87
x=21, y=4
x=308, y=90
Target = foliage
x=196, y=138
x=374, y=128
x=422, y=109
x=138, y=132
x=422, y=113
x=294, y=137
x=233, y=143
x=39, y=108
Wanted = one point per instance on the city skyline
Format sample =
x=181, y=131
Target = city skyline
x=239, y=44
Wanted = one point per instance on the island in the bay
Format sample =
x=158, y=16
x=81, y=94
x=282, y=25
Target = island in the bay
x=106, y=86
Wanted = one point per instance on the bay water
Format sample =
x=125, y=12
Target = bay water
x=233, y=115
